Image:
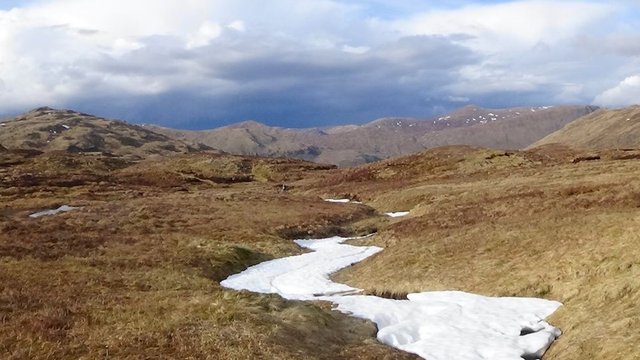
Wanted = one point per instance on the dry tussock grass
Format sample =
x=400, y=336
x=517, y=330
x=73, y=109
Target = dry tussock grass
x=603, y=129
x=134, y=273
x=533, y=226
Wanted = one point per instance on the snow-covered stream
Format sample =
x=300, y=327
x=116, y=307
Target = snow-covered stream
x=441, y=325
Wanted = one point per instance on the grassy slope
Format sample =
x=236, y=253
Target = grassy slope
x=525, y=224
x=134, y=273
x=46, y=129
x=603, y=129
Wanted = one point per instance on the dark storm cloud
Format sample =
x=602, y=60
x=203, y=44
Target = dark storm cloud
x=311, y=63
x=283, y=85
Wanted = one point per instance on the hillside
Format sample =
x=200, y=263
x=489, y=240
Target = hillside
x=47, y=129
x=470, y=228
x=132, y=270
x=518, y=129
x=603, y=129
x=383, y=138
x=145, y=244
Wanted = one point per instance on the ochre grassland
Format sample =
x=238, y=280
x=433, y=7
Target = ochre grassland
x=550, y=223
x=134, y=273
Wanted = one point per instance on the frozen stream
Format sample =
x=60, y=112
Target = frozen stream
x=441, y=325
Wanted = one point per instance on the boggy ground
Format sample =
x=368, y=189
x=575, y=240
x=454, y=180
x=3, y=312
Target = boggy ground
x=550, y=222
x=134, y=273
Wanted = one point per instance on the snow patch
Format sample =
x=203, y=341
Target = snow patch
x=3, y=124
x=66, y=126
x=306, y=276
x=440, y=325
x=343, y=201
x=445, y=325
x=397, y=214
x=61, y=209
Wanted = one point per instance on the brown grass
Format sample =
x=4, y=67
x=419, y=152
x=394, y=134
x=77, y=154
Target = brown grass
x=603, y=129
x=524, y=226
x=48, y=130
x=134, y=273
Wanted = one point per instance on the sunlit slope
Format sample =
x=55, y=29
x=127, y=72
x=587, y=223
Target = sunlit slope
x=544, y=223
x=133, y=271
x=603, y=129
x=46, y=129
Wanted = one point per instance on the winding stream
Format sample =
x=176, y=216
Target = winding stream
x=440, y=325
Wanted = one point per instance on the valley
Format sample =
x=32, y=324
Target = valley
x=121, y=255
x=319, y=179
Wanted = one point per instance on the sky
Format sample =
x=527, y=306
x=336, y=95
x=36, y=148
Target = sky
x=200, y=64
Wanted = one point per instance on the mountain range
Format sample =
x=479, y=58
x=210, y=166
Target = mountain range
x=142, y=228
x=578, y=126
x=350, y=145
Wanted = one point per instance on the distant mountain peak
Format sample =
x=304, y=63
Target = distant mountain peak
x=46, y=110
x=349, y=145
x=248, y=124
x=42, y=109
x=47, y=129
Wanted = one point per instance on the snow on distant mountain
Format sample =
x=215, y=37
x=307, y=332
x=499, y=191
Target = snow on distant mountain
x=349, y=145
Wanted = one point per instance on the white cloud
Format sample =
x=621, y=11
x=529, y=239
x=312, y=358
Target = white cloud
x=358, y=50
x=526, y=46
x=570, y=92
x=510, y=26
x=124, y=18
x=237, y=25
x=57, y=51
x=51, y=50
x=627, y=92
x=491, y=77
x=207, y=32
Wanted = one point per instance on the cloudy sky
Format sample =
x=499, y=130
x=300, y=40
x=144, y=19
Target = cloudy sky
x=205, y=63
